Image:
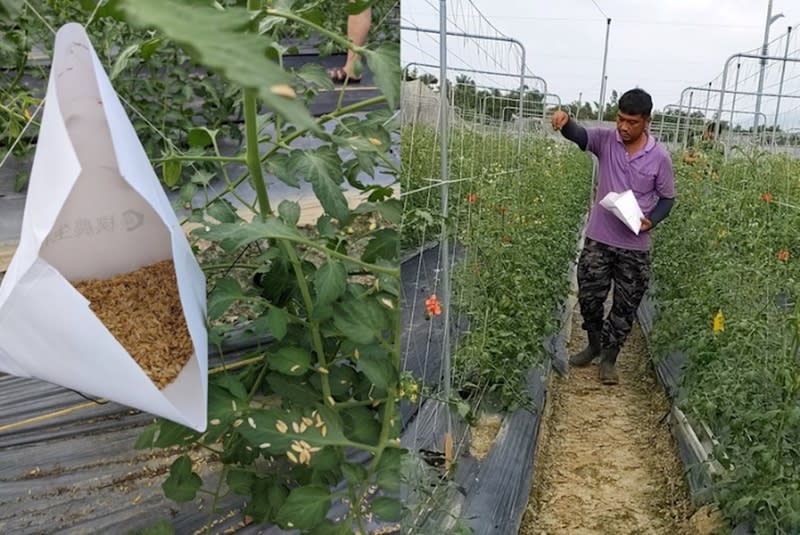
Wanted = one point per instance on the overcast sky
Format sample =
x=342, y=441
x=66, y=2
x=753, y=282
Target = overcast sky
x=661, y=46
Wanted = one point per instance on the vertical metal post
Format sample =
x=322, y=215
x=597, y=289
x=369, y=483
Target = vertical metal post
x=578, y=111
x=603, y=76
x=763, y=62
x=735, y=91
x=723, y=85
x=708, y=101
x=444, y=242
x=521, y=97
x=688, y=119
x=680, y=116
x=780, y=87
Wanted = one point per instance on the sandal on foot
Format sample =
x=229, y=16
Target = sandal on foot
x=339, y=75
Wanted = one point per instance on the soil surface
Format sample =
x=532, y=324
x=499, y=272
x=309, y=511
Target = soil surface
x=484, y=434
x=606, y=461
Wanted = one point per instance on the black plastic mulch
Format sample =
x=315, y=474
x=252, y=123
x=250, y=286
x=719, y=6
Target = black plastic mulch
x=490, y=495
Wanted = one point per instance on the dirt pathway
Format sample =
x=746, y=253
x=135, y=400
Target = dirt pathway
x=605, y=464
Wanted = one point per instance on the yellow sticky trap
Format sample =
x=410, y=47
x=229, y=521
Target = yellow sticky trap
x=719, y=322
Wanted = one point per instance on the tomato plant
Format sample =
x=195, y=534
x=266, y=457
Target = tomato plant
x=729, y=251
x=518, y=217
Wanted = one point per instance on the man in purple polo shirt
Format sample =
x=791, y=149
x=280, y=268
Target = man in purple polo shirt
x=630, y=159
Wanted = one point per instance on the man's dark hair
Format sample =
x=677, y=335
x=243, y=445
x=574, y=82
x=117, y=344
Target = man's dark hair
x=636, y=102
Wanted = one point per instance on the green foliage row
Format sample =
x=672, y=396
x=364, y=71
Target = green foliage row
x=518, y=217
x=159, y=77
x=730, y=250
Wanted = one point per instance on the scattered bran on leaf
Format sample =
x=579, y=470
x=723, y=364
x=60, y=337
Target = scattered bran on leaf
x=143, y=311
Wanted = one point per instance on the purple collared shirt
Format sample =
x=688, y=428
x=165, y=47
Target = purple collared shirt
x=648, y=173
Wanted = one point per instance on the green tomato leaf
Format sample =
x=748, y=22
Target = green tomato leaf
x=388, y=473
x=317, y=75
x=326, y=460
x=188, y=191
x=223, y=211
x=222, y=408
x=240, y=234
x=355, y=7
x=267, y=24
x=147, y=437
x=330, y=281
x=326, y=226
x=122, y=60
x=232, y=384
x=360, y=320
x=290, y=361
x=10, y=9
x=376, y=363
x=182, y=484
x=328, y=527
x=322, y=167
x=362, y=163
x=385, y=66
x=342, y=379
x=385, y=508
x=201, y=137
x=362, y=425
x=202, y=178
x=278, y=322
x=355, y=474
x=294, y=390
x=278, y=165
x=240, y=482
x=314, y=15
x=274, y=430
x=220, y=41
x=149, y=48
x=385, y=244
x=305, y=507
x=226, y=292
x=389, y=284
x=172, y=434
x=289, y=212
x=391, y=210
x=266, y=499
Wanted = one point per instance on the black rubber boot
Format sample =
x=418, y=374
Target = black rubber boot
x=608, y=368
x=585, y=357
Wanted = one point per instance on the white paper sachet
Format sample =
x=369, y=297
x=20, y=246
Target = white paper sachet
x=625, y=207
x=95, y=209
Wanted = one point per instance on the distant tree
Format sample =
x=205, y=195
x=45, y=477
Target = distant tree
x=428, y=79
x=465, y=93
x=612, y=107
x=425, y=78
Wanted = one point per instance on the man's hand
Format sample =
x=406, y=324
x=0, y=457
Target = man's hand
x=559, y=119
x=646, y=225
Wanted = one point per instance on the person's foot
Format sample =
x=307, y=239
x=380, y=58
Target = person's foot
x=608, y=367
x=339, y=75
x=585, y=357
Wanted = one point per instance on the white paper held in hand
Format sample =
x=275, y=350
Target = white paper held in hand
x=95, y=209
x=625, y=207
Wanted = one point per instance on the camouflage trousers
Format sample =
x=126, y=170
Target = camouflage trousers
x=599, y=265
